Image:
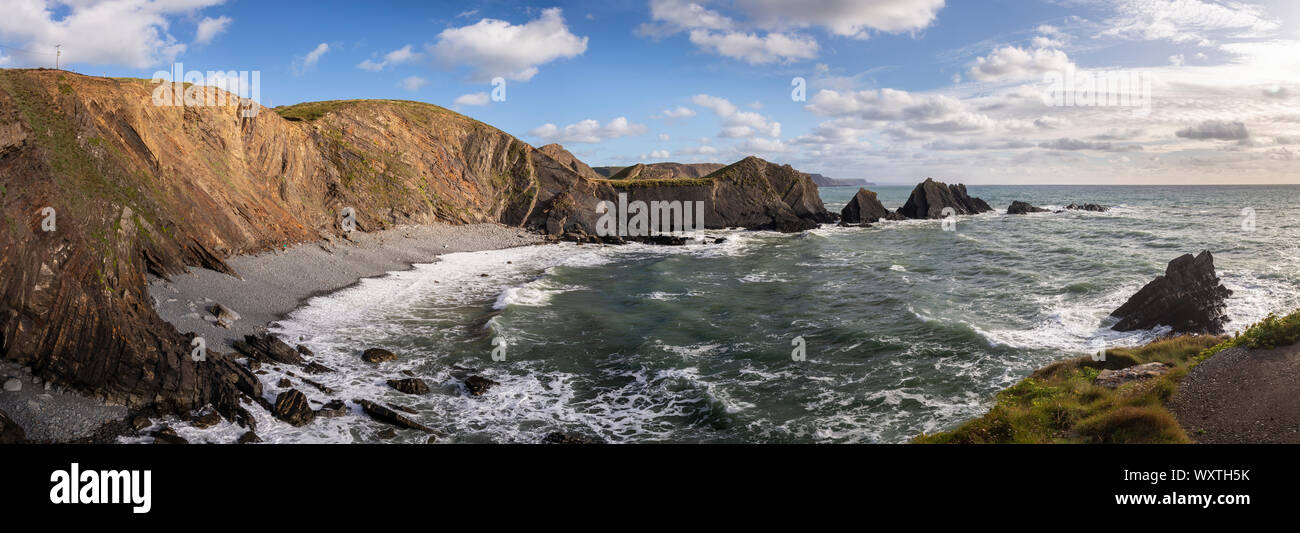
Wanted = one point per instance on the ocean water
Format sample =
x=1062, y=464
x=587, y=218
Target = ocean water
x=907, y=328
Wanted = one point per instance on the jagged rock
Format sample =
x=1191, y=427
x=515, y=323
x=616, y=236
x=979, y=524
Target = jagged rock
x=409, y=385
x=139, y=423
x=1114, y=378
x=1022, y=208
x=1188, y=298
x=557, y=437
x=1087, y=207
x=378, y=355
x=332, y=409
x=167, y=435
x=207, y=421
x=304, y=350
x=11, y=432
x=291, y=406
x=388, y=416
x=477, y=385
x=248, y=438
x=317, y=368
x=865, y=208
x=268, y=348
x=225, y=317
x=319, y=386
x=401, y=408
x=930, y=197
x=284, y=383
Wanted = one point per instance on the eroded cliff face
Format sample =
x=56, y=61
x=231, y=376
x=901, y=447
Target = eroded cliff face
x=137, y=188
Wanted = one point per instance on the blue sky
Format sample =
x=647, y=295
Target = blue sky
x=897, y=90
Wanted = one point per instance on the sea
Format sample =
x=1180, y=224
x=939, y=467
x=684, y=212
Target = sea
x=834, y=335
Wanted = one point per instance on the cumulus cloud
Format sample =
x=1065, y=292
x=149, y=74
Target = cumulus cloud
x=492, y=48
x=404, y=54
x=473, y=99
x=755, y=49
x=678, y=112
x=1218, y=130
x=848, y=18
x=736, y=123
x=210, y=28
x=588, y=131
x=1013, y=63
x=303, y=64
x=129, y=33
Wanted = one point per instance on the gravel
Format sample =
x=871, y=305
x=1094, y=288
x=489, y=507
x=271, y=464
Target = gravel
x=1242, y=396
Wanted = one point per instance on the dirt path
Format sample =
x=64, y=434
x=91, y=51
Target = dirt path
x=1242, y=396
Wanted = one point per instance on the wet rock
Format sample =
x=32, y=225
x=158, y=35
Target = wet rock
x=207, y=421
x=378, y=355
x=1188, y=298
x=266, y=348
x=1023, y=208
x=248, y=438
x=11, y=432
x=225, y=317
x=401, y=408
x=284, y=383
x=319, y=386
x=167, y=435
x=1087, y=207
x=930, y=197
x=1114, y=378
x=304, y=350
x=333, y=409
x=139, y=423
x=557, y=437
x=865, y=208
x=13, y=385
x=477, y=385
x=386, y=434
x=409, y=385
x=388, y=416
x=291, y=406
x=317, y=368
x=661, y=240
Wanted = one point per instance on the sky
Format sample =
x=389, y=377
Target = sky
x=892, y=91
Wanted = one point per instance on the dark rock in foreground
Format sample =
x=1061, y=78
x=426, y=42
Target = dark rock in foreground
x=865, y=208
x=248, y=438
x=1188, y=298
x=291, y=406
x=1022, y=208
x=167, y=435
x=477, y=385
x=409, y=385
x=10, y=432
x=378, y=355
x=388, y=416
x=1087, y=207
x=267, y=348
x=930, y=197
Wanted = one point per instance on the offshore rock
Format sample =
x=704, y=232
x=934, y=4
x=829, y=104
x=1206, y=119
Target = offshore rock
x=1188, y=298
x=930, y=197
x=1023, y=208
x=865, y=208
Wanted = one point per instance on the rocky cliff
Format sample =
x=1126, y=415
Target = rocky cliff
x=99, y=186
x=666, y=171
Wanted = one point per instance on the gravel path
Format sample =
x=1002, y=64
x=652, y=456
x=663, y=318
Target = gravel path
x=1242, y=396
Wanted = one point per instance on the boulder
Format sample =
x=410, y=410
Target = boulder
x=1022, y=208
x=930, y=197
x=13, y=385
x=11, y=432
x=477, y=385
x=556, y=437
x=332, y=409
x=1188, y=298
x=1114, y=378
x=207, y=421
x=378, y=355
x=1087, y=207
x=291, y=406
x=865, y=208
x=248, y=438
x=266, y=348
x=225, y=317
x=388, y=416
x=167, y=435
x=409, y=385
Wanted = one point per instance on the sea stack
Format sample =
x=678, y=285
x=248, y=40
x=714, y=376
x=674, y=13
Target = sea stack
x=1188, y=298
x=865, y=208
x=1023, y=208
x=930, y=197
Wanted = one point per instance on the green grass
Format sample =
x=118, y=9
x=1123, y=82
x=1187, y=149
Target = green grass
x=1060, y=403
x=1265, y=334
x=311, y=111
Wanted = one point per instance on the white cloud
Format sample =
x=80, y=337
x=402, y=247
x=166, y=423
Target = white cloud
x=498, y=48
x=210, y=27
x=130, y=33
x=474, y=99
x=303, y=64
x=589, y=131
x=1177, y=60
x=1013, y=63
x=678, y=112
x=1187, y=20
x=737, y=123
x=665, y=137
x=413, y=83
x=848, y=18
x=755, y=49
x=660, y=154
x=401, y=55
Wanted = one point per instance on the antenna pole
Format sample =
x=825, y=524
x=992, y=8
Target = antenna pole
x=58, y=51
